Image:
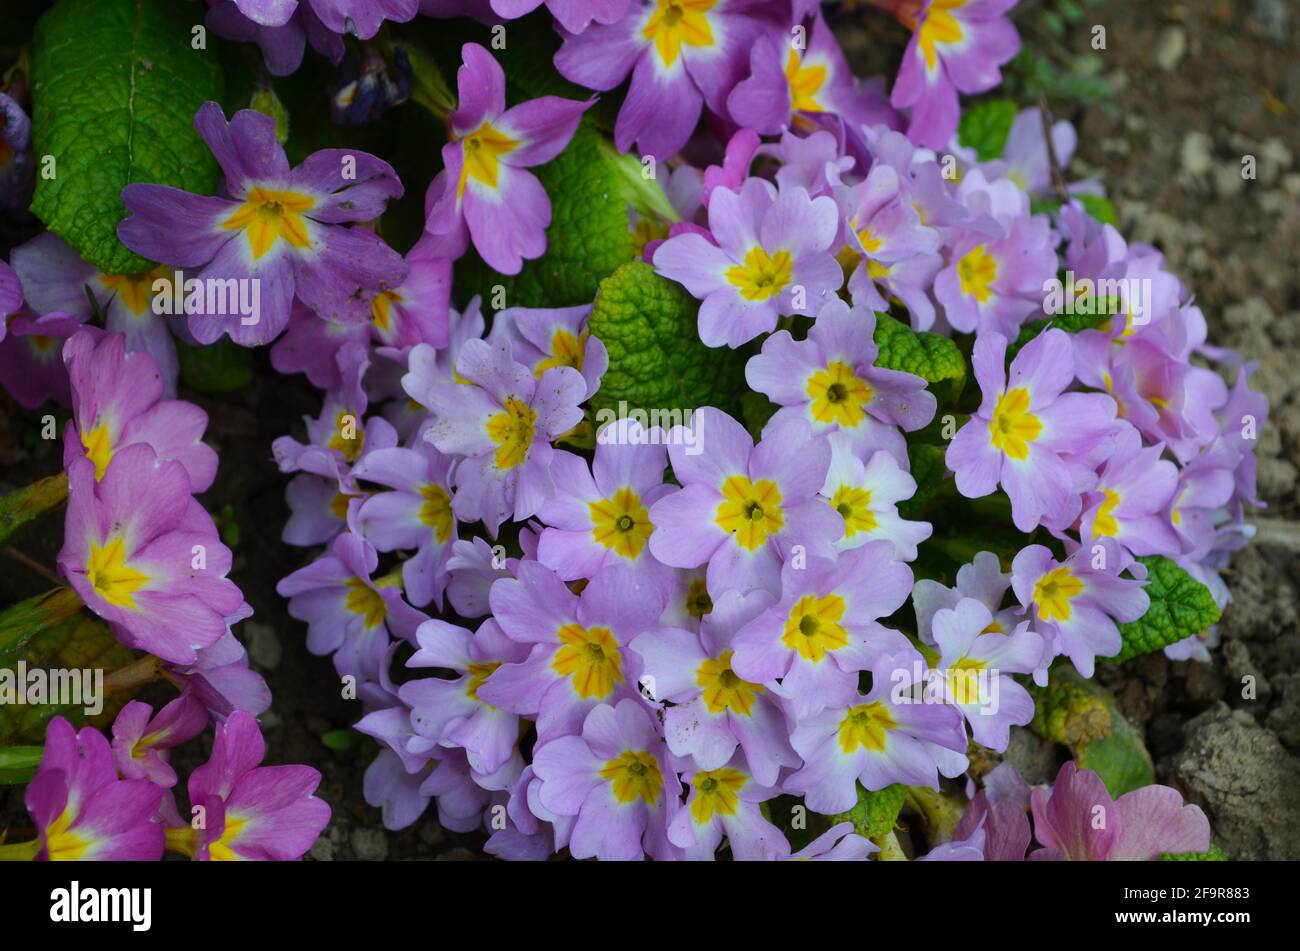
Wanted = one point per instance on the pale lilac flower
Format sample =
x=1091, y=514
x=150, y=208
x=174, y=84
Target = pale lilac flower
x=866, y=496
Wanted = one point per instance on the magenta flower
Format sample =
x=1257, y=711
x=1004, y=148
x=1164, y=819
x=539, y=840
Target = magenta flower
x=574, y=15
x=866, y=496
x=81, y=810
x=484, y=192
x=415, y=515
x=886, y=736
x=419, y=309
x=1027, y=428
x=31, y=365
x=580, y=655
x=281, y=227
x=281, y=30
x=957, y=45
x=994, y=281
x=771, y=258
x=831, y=383
x=145, y=556
x=615, y=778
x=742, y=508
x=117, y=402
x=250, y=811
x=11, y=296
x=1075, y=605
x=681, y=55
x=142, y=741
x=714, y=710
x=450, y=712
x=503, y=424
x=725, y=803
x=1139, y=826
x=972, y=652
x=826, y=626
x=600, y=515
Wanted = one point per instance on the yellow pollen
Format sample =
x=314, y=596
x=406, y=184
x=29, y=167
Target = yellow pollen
x=566, y=351
x=1105, y=525
x=867, y=726
x=481, y=153
x=512, y=430
x=267, y=215
x=477, y=674
x=112, y=578
x=349, y=438
x=1013, y=427
x=723, y=690
x=762, y=276
x=977, y=272
x=940, y=26
x=435, y=511
x=381, y=310
x=365, y=602
x=1053, y=594
x=678, y=23
x=750, y=511
x=135, y=291
x=805, y=82
x=222, y=850
x=854, y=505
x=634, y=773
x=621, y=523
x=716, y=791
x=812, y=628
x=838, y=395
x=99, y=448
x=589, y=656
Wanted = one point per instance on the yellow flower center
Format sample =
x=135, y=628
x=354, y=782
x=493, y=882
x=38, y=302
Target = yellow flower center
x=621, y=523
x=750, y=511
x=805, y=82
x=99, y=448
x=716, y=791
x=435, y=511
x=566, y=351
x=1105, y=525
x=963, y=681
x=940, y=26
x=589, y=656
x=723, y=688
x=977, y=272
x=675, y=23
x=512, y=430
x=870, y=243
x=634, y=773
x=62, y=844
x=477, y=674
x=812, y=628
x=1053, y=594
x=762, y=276
x=222, y=850
x=838, y=395
x=348, y=438
x=365, y=602
x=381, y=310
x=866, y=725
x=481, y=153
x=112, y=578
x=1013, y=427
x=854, y=505
x=135, y=291
x=267, y=215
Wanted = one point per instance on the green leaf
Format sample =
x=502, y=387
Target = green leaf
x=21, y=508
x=928, y=471
x=115, y=87
x=217, y=368
x=933, y=358
x=985, y=127
x=1100, y=208
x=875, y=813
x=656, y=359
x=1180, y=607
x=1214, y=855
x=588, y=239
x=340, y=741
x=755, y=410
x=265, y=101
x=18, y=764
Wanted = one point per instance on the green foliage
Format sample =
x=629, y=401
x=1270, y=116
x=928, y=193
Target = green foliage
x=1214, y=855
x=217, y=368
x=1180, y=607
x=985, y=126
x=18, y=764
x=656, y=359
x=115, y=86
x=875, y=813
x=933, y=358
x=928, y=470
x=19, y=509
x=1099, y=207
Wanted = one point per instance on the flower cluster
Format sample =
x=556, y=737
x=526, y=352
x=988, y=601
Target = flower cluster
x=627, y=640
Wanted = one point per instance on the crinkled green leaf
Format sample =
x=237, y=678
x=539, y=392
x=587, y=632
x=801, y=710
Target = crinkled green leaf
x=1214, y=855
x=115, y=88
x=656, y=359
x=985, y=127
x=588, y=239
x=933, y=358
x=875, y=813
x=1180, y=607
x=928, y=471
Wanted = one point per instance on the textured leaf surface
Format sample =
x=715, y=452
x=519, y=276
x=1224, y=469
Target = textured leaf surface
x=1180, y=607
x=656, y=359
x=933, y=358
x=875, y=813
x=115, y=88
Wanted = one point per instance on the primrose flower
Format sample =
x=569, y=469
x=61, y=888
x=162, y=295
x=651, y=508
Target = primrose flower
x=1132, y=496
x=473, y=568
x=837, y=844
x=615, y=778
x=1001, y=811
x=830, y=381
x=771, y=258
x=416, y=514
x=11, y=296
x=503, y=424
x=825, y=628
x=145, y=556
x=742, y=507
x=484, y=192
x=1075, y=605
x=81, y=810
x=714, y=710
x=221, y=678
x=541, y=338
x=347, y=614
x=995, y=282
x=601, y=516
x=1026, y=428
x=251, y=812
x=956, y=45
x=682, y=54
x=417, y=310
x=281, y=227
x=450, y=712
x=117, y=402
x=886, y=736
x=970, y=646
x=141, y=740
x=16, y=165
x=573, y=15
x=312, y=345
x=724, y=803
x=31, y=368
x=866, y=496
x=580, y=656
x=1140, y=825
x=982, y=580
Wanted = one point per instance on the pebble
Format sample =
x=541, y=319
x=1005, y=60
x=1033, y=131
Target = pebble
x=370, y=845
x=1196, y=155
x=263, y=645
x=1274, y=17
x=1170, y=48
